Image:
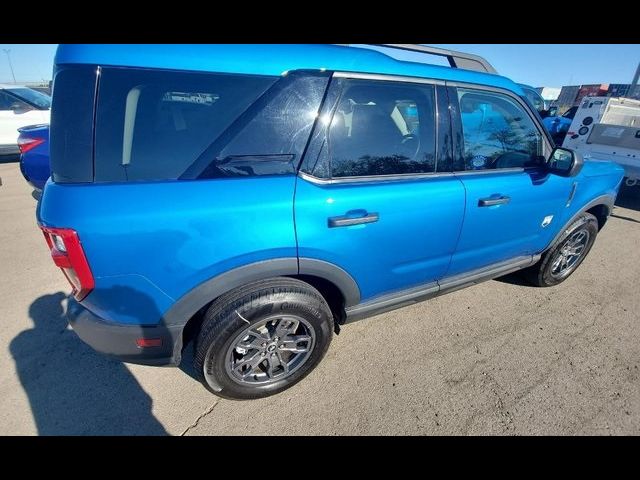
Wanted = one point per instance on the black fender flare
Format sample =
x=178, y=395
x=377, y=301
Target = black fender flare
x=190, y=303
x=606, y=200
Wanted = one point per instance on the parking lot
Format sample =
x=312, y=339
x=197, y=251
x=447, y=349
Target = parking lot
x=498, y=358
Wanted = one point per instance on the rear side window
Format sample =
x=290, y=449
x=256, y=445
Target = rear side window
x=9, y=102
x=383, y=128
x=153, y=125
x=71, y=131
x=270, y=137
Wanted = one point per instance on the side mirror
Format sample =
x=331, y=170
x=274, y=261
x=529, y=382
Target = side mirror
x=565, y=162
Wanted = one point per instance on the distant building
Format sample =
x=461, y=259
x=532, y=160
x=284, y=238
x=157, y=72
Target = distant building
x=571, y=96
x=619, y=89
x=595, y=90
x=566, y=98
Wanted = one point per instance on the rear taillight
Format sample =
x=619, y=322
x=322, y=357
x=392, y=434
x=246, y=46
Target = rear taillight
x=67, y=253
x=25, y=143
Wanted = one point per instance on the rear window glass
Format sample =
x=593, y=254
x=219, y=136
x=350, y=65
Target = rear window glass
x=33, y=97
x=152, y=125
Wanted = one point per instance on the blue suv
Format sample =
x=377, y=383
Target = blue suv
x=252, y=199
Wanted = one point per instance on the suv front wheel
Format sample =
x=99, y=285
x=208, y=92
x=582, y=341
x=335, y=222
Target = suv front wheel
x=566, y=255
x=262, y=338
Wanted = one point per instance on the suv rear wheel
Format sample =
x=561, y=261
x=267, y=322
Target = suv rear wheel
x=262, y=338
x=564, y=257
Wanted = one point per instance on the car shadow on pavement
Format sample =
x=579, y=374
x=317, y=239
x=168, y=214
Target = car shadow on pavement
x=515, y=278
x=73, y=390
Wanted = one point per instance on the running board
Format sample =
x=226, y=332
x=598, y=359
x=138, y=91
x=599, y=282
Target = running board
x=391, y=301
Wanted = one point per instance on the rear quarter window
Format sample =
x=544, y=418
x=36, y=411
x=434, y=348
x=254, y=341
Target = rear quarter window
x=71, y=130
x=152, y=124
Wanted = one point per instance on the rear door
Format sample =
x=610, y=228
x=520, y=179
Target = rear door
x=375, y=195
x=511, y=199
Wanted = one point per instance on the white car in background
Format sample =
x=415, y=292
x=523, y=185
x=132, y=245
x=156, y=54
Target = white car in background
x=20, y=106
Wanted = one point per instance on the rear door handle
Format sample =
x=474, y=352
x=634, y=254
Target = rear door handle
x=491, y=201
x=346, y=220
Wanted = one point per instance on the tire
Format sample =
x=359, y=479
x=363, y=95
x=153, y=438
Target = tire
x=547, y=272
x=257, y=323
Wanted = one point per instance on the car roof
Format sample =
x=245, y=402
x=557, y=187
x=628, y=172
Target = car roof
x=267, y=60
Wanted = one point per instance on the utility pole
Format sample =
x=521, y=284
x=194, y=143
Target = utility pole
x=634, y=85
x=8, y=51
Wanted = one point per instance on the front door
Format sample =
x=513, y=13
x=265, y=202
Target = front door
x=371, y=199
x=511, y=201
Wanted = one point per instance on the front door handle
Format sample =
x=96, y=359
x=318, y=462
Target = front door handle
x=346, y=220
x=491, y=201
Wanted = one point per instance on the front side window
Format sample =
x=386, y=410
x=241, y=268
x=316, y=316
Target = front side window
x=535, y=99
x=498, y=133
x=382, y=128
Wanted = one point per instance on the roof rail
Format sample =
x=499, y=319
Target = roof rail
x=466, y=61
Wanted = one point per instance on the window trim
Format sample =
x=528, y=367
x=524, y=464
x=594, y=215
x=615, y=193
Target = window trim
x=322, y=130
x=373, y=178
x=454, y=108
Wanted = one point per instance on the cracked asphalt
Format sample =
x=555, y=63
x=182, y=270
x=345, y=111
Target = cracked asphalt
x=497, y=358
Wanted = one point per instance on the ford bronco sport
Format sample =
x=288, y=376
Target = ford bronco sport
x=253, y=198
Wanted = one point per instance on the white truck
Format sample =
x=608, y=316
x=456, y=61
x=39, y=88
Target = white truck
x=608, y=128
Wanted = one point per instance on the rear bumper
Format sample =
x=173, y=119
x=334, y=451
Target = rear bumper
x=119, y=341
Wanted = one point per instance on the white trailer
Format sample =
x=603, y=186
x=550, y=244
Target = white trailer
x=608, y=128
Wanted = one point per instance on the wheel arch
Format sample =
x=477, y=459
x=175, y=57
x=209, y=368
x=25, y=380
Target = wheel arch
x=335, y=284
x=601, y=207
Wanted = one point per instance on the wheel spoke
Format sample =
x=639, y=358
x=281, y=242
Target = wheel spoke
x=286, y=326
x=556, y=263
x=252, y=343
x=285, y=365
x=252, y=360
x=577, y=250
x=258, y=334
x=291, y=343
x=274, y=363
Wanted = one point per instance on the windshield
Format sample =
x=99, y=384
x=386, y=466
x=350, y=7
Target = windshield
x=32, y=97
x=570, y=113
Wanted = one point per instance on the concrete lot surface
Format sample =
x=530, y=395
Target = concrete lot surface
x=497, y=358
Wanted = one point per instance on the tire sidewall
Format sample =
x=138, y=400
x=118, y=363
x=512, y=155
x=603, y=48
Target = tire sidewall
x=249, y=313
